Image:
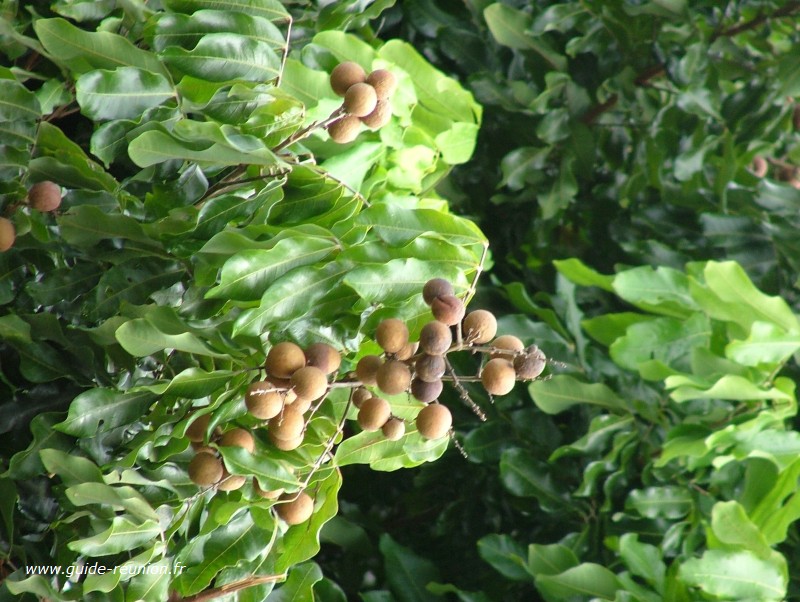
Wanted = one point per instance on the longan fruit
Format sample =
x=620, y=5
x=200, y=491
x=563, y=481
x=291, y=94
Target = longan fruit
x=435, y=338
x=436, y=287
x=393, y=377
x=424, y=391
x=205, y=469
x=270, y=494
x=309, y=383
x=430, y=368
x=294, y=508
x=407, y=352
x=44, y=196
x=384, y=82
x=373, y=413
x=324, y=357
x=394, y=429
x=286, y=444
x=498, y=376
x=7, y=234
x=448, y=309
x=391, y=335
x=367, y=369
x=479, y=326
x=238, y=438
x=345, y=129
x=361, y=395
x=301, y=405
x=231, y=482
x=262, y=400
x=197, y=430
x=759, y=166
x=345, y=75
x=284, y=359
x=287, y=425
x=507, y=341
x=434, y=421
x=380, y=116
x=360, y=100
x=531, y=364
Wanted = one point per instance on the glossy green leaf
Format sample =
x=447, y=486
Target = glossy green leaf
x=550, y=559
x=729, y=387
x=86, y=225
x=399, y=226
x=271, y=473
x=224, y=57
x=732, y=526
x=176, y=29
x=406, y=572
x=381, y=454
x=123, y=498
x=27, y=463
x=581, y=274
x=735, y=575
x=505, y=555
x=766, y=344
x=643, y=560
x=525, y=476
x=72, y=469
x=99, y=410
x=584, y=580
x=268, y=9
x=510, y=27
x=664, y=502
x=299, y=586
x=124, y=93
x=120, y=536
x=662, y=290
x=562, y=391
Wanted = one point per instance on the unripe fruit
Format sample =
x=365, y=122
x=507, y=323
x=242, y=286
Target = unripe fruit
x=531, y=364
x=205, y=469
x=384, y=82
x=345, y=75
x=287, y=425
x=345, y=129
x=367, y=369
x=759, y=166
x=262, y=400
x=407, y=352
x=309, y=383
x=284, y=359
x=361, y=395
x=435, y=338
x=393, y=377
x=324, y=357
x=436, y=287
x=380, y=116
x=360, y=100
x=44, y=196
x=231, y=482
x=295, y=508
x=197, y=430
x=374, y=413
x=394, y=429
x=434, y=421
x=285, y=444
x=7, y=234
x=498, y=376
x=424, y=391
x=430, y=368
x=507, y=341
x=479, y=326
x=448, y=309
x=238, y=438
x=270, y=494
x=392, y=335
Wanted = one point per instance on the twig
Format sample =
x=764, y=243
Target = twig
x=462, y=392
x=306, y=131
x=229, y=588
x=285, y=52
x=786, y=10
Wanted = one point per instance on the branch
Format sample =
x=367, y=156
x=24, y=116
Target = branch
x=788, y=9
x=229, y=588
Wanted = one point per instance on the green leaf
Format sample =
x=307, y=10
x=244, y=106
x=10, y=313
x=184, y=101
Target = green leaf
x=124, y=93
x=728, y=387
x=550, y=559
x=643, y=560
x=72, y=469
x=526, y=476
x=224, y=57
x=661, y=502
x=268, y=9
x=100, y=410
x=299, y=586
x=141, y=338
x=272, y=474
x=587, y=579
x=407, y=573
x=193, y=383
x=122, y=535
x=766, y=344
x=662, y=290
x=563, y=391
x=27, y=463
x=123, y=498
x=732, y=526
x=381, y=454
x=505, y=555
x=398, y=226
x=86, y=225
x=581, y=274
x=735, y=575
x=510, y=27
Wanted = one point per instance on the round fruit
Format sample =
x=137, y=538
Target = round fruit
x=393, y=377
x=479, y=326
x=436, y=287
x=270, y=494
x=407, y=352
x=394, y=429
x=295, y=508
x=424, y=391
x=430, y=368
x=44, y=196
x=374, y=413
x=392, y=335
x=301, y=405
x=205, y=469
x=7, y=234
x=531, y=364
x=262, y=400
x=324, y=357
x=498, y=376
x=361, y=395
x=287, y=425
x=309, y=383
x=231, y=482
x=197, y=430
x=380, y=116
x=238, y=438
x=434, y=421
x=360, y=100
x=448, y=309
x=367, y=369
x=435, y=338
x=759, y=166
x=285, y=444
x=284, y=359
x=507, y=341
x=384, y=82
x=345, y=75
x=345, y=129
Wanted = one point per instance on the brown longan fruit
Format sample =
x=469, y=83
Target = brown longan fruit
x=285, y=444
x=345, y=75
x=345, y=129
x=361, y=395
x=407, y=352
x=284, y=359
x=309, y=383
x=197, y=430
x=435, y=338
x=424, y=391
x=394, y=429
x=393, y=377
x=384, y=82
x=498, y=376
x=374, y=413
x=44, y=196
x=295, y=508
x=434, y=421
x=479, y=326
x=430, y=368
x=531, y=364
x=8, y=234
x=759, y=166
x=360, y=100
x=324, y=357
x=270, y=494
x=238, y=438
x=231, y=482
x=287, y=425
x=367, y=369
x=507, y=341
x=391, y=335
x=380, y=116
x=448, y=309
x=205, y=469
x=301, y=405
x=262, y=400
x=436, y=287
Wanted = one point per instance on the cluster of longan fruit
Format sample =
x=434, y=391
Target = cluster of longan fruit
x=43, y=196
x=367, y=99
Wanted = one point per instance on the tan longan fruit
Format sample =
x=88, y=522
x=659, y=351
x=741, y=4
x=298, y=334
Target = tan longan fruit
x=393, y=377
x=374, y=413
x=424, y=391
x=324, y=357
x=301, y=405
x=448, y=309
x=360, y=100
x=384, y=82
x=435, y=338
x=345, y=75
x=309, y=383
x=436, y=287
x=391, y=335
x=44, y=196
x=394, y=429
x=531, y=364
x=430, y=368
x=285, y=444
x=479, y=326
x=262, y=400
x=498, y=376
x=345, y=129
x=231, y=482
x=287, y=425
x=295, y=508
x=434, y=421
x=238, y=438
x=284, y=359
x=759, y=166
x=197, y=430
x=367, y=369
x=380, y=116
x=269, y=494
x=205, y=469
x=407, y=352
x=8, y=234
x=507, y=341
x=361, y=395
